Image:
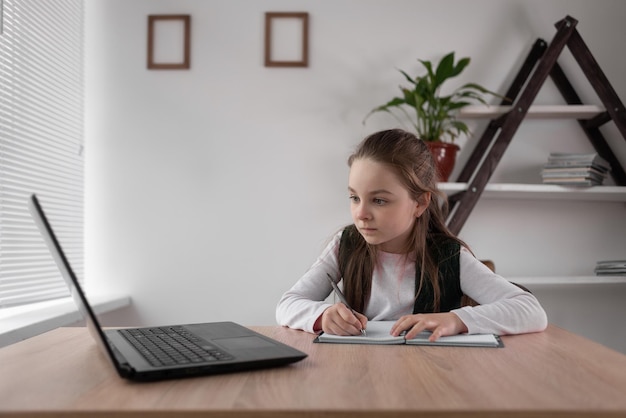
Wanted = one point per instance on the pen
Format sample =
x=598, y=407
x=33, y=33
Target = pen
x=341, y=297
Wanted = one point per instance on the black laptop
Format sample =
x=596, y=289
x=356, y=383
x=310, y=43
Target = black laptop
x=171, y=351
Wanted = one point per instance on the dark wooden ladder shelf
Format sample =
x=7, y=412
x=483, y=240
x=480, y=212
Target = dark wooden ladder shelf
x=540, y=63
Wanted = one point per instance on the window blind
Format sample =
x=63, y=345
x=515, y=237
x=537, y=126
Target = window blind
x=41, y=137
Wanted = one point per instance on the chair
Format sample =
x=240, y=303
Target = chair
x=467, y=301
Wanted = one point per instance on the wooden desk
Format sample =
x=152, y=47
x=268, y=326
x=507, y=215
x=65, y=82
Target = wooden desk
x=554, y=373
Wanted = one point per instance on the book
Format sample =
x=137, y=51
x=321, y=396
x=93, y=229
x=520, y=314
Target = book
x=378, y=332
x=549, y=168
x=575, y=181
x=567, y=158
x=560, y=172
x=575, y=169
x=610, y=268
x=559, y=177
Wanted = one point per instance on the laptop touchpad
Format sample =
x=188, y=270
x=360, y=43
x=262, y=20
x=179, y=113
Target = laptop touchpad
x=242, y=343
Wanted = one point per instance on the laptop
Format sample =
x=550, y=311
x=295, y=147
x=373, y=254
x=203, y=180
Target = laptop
x=202, y=349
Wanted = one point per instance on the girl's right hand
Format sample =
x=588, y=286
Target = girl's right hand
x=339, y=320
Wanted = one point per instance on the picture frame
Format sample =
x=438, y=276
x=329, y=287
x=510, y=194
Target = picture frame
x=286, y=39
x=169, y=42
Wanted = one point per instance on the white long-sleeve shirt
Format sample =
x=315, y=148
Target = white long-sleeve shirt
x=504, y=308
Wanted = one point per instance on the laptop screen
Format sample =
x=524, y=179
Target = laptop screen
x=70, y=278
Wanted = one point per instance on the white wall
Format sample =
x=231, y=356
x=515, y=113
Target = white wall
x=210, y=191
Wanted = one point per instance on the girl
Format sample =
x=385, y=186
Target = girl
x=399, y=261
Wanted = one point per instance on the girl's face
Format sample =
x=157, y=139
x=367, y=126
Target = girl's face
x=381, y=207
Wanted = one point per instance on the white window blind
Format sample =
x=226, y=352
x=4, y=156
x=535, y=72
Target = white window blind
x=41, y=137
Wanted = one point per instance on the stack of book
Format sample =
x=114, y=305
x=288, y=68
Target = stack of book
x=610, y=268
x=573, y=169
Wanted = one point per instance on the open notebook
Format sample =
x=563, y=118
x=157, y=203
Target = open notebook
x=378, y=332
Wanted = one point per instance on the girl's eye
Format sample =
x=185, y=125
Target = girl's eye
x=379, y=202
x=354, y=198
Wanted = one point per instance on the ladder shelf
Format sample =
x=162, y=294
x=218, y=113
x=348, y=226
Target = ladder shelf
x=540, y=63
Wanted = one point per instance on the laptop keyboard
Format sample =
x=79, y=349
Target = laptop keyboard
x=170, y=346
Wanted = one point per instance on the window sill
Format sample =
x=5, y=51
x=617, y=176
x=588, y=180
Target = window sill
x=22, y=322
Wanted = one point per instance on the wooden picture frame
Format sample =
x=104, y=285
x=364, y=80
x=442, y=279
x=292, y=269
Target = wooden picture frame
x=175, y=42
x=272, y=38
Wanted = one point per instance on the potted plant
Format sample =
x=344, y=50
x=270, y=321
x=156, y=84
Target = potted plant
x=434, y=115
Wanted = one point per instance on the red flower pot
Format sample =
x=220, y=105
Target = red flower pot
x=444, y=154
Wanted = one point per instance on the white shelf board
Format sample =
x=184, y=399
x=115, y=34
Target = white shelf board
x=543, y=191
x=534, y=112
x=568, y=280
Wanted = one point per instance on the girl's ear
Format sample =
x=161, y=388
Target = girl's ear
x=422, y=204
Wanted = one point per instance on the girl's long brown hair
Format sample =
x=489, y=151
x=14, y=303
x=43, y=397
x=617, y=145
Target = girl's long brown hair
x=410, y=158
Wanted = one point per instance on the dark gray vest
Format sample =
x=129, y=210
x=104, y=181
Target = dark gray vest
x=444, y=250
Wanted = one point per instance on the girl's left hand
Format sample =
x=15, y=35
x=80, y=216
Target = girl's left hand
x=445, y=323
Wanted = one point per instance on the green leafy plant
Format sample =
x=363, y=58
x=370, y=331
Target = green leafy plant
x=435, y=116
